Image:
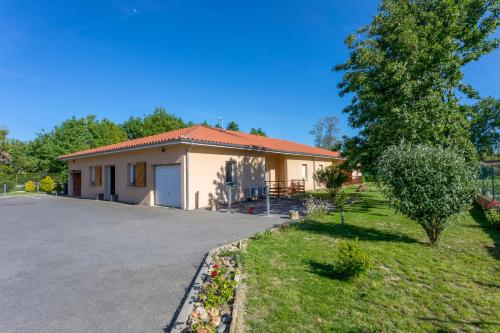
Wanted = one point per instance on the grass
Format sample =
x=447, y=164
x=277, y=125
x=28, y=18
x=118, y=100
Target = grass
x=20, y=193
x=411, y=287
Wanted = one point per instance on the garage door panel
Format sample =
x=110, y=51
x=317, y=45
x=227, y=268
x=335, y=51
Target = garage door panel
x=168, y=185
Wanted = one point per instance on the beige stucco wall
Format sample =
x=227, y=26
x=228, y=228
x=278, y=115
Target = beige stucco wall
x=137, y=195
x=294, y=169
x=207, y=173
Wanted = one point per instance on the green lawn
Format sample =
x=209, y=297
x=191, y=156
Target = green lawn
x=412, y=287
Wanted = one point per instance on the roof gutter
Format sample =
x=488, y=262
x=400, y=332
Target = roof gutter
x=199, y=143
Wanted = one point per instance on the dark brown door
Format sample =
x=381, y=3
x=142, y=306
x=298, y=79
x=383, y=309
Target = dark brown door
x=77, y=184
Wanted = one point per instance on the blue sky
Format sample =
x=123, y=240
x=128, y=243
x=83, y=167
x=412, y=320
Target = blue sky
x=261, y=63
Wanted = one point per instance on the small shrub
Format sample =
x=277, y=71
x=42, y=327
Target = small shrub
x=47, y=184
x=262, y=234
x=493, y=217
x=58, y=187
x=315, y=207
x=352, y=260
x=29, y=186
x=332, y=178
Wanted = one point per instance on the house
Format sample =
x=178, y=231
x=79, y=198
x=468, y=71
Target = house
x=192, y=167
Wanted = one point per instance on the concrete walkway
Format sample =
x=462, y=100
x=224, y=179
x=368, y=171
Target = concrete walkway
x=70, y=265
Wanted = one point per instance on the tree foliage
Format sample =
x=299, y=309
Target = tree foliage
x=161, y=121
x=428, y=184
x=485, y=127
x=405, y=74
x=72, y=135
x=332, y=178
x=324, y=131
x=4, y=154
x=233, y=126
x=257, y=131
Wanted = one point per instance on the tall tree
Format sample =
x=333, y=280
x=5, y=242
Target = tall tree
x=405, y=73
x=324, y=131
x=134, y=127
x=73, y=135
x=4, y=154
x=233, y=126
x=161, y=121
x=485, y=127
x=258, y=131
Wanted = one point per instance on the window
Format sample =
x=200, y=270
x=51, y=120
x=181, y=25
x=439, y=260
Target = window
x=230, y=172
x=131, y=174
x=304, y=171
x=137, y=174
x=95, y=175
x=320, y=166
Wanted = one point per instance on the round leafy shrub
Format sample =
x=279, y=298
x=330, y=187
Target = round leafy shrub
x=47, y=184
x=428, y=184
x=351, y=261
x=29, y=186
x=332, y=178
x=493, y=217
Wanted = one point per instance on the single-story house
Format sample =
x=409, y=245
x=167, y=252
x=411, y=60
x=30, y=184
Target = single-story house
x=192, y=167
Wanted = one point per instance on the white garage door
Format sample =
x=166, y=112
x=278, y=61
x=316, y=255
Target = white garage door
x=168, y=185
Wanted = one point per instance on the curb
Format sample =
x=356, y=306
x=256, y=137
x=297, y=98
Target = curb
x=180, y=321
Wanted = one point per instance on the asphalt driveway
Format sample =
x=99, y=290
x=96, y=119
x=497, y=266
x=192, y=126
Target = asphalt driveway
x=69, y=265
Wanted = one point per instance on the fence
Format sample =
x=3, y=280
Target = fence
x=489, y=179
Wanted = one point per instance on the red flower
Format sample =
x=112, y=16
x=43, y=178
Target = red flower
x=213, y=274
x=215, y=266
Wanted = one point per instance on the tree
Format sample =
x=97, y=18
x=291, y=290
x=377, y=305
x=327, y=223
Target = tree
x=428, y=184
x=324, y=132
x=134, y=127
x=161, y=121
x=340, y=201
x=257, y=131
x=405, y=74
x=332, y=178
x=4, y=154
x=205, y=124
x=72, y=135
x=485, y=126
x=232, y=126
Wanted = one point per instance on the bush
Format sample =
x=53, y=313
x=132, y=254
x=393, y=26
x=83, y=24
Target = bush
x=493, y=217
x=352, y=260
x=29, y=186
x=59, y=187
x=315, y=207
x=332, y=178
x=47, y=184
x=428, y=184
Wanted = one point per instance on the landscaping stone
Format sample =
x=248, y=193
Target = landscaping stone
x=221, y=328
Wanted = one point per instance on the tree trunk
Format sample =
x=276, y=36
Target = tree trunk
x=342, y=218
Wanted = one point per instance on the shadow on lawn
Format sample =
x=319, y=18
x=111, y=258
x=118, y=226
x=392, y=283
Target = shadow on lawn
x=476, y=323
x=353, y=231
x=477, y=214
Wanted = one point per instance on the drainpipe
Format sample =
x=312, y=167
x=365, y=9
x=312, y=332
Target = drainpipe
x=187, y=174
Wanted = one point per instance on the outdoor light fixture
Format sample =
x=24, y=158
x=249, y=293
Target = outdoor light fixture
x=162, y=149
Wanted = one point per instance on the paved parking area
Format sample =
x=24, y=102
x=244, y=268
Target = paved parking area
x=70, y=265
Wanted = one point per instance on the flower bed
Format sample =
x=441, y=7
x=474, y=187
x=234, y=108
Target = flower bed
x=212, y=311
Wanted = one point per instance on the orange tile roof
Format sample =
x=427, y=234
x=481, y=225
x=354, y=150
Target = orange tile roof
x=210, y=135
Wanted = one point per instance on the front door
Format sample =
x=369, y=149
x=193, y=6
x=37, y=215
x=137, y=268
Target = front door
x=110, y=182
x=77, y=184
x=168, y=185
